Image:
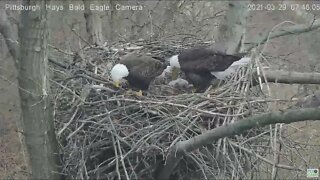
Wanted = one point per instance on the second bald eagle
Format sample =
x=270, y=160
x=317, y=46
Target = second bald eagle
x=202, y=65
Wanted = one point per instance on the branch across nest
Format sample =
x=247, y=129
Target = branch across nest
x=106, y=133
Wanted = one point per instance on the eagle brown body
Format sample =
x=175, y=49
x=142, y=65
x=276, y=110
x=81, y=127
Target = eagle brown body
x=142, y=70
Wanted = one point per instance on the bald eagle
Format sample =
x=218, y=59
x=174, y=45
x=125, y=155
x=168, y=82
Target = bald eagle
x=202, y=65
x=138, y=70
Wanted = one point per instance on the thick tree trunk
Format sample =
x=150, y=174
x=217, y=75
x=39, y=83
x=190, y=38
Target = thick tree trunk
x=232, y=29
x=93, y=24
x=168, y=16
x=35, y=93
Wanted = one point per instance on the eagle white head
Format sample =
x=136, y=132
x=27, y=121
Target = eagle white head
x=174, y=61
x=118, y=72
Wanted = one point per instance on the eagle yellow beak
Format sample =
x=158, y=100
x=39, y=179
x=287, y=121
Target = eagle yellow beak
x=116, y=83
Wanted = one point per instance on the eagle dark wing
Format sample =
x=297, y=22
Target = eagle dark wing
x=142, y=69
x=149, y=69
x=200, y=60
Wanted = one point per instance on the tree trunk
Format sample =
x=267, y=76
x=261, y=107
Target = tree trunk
x=172, y=7
x=93, y=24
x=37, y=110
x=9, y=33
x=233, y=27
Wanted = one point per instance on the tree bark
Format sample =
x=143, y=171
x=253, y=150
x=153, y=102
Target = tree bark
x=179, y=149
x=168, y=16
x=233, y=27
x=9, y=33
x=93, y=24
x=37, y=110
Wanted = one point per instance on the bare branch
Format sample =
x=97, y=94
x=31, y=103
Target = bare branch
x=264, y=159
x=290, y=77
x=294, y=29
x=178, y=150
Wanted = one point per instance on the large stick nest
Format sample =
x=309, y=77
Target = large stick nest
x=106, y=133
